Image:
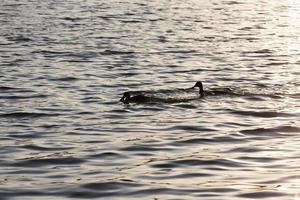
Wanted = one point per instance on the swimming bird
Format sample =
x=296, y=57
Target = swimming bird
x=127, y=98
x=200, y=86
x=140, y=98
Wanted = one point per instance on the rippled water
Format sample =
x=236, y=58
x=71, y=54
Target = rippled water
x=65, y=64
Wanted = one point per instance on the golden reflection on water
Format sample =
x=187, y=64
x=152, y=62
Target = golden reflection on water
x=292, y=27
x=292, y=188
x=240, y=142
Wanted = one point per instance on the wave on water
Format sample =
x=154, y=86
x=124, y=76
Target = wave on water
x=18, y=93
x=279, y=129
x=264, y=114
x=23, y=97
x=26, y=115
x=19, y=38
x=48, y=161
x=115, y=52
x=5, y=88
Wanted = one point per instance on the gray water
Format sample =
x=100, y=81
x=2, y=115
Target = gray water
x=65, y=64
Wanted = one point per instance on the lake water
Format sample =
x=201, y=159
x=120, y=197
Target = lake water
x=64, y=65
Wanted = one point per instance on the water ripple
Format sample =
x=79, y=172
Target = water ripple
x=27, y=115
x=48, y=161
x=264, y=114
x=64, y=65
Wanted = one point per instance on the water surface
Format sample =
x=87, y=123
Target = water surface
x=65, y=64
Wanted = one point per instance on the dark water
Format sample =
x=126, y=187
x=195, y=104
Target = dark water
x=65, y=64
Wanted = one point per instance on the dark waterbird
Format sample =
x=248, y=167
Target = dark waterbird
x=127, y=98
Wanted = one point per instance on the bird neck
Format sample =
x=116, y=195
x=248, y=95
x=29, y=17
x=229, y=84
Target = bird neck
x=201, y=91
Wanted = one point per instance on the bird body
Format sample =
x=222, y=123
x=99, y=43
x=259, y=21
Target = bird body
x=127, y=98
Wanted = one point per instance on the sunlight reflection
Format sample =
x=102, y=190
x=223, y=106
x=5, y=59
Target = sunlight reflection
x=292, y=188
